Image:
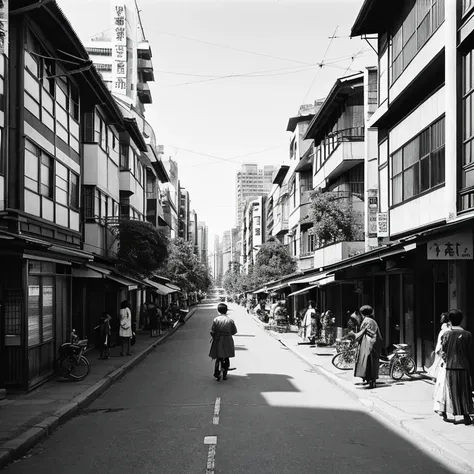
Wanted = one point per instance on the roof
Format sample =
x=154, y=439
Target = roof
x=341, y=90
x=281, y=173
x=294, y=121
x=132, y=128
x=374, y=16
x=51, y=17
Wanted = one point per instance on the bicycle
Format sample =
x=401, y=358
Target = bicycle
x=346, y=353
x=399, y=362
x=71, y=363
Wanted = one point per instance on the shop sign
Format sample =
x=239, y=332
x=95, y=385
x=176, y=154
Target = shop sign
x=453, y=247
x=119, y=50
x=373, y=205
x=382, y=224
x=4, y=27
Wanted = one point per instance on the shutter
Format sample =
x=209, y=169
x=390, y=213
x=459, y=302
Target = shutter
x=33, y=311
x=48, y=298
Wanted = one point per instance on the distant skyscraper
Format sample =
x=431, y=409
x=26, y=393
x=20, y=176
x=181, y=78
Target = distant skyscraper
x=202, y=242
x=226, y=250
x=250, y=183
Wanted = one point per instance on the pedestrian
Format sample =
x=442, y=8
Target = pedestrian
x=436, y=365
x=456, y=352
x=369, y=338
x=105, y=331
x=152, y=315
x=307, y=323
x=125, y=331
x=222, y=344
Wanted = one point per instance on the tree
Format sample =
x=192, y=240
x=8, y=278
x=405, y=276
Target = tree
x=142, y=248
x=184, y=268
x=333, y=217
x=273, y=261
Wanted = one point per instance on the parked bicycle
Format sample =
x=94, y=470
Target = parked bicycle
x=71, y=363
x=396, y=364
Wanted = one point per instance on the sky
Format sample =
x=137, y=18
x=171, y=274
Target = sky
x=228, y=76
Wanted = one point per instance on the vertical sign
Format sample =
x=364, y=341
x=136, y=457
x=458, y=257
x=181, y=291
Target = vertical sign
x=373, y=207
x=4, y=27
x=119, y=50
x=382, y=224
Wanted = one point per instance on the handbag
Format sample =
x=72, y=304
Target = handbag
x=133, y=339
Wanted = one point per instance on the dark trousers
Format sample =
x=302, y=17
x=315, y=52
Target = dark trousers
x=222, y=363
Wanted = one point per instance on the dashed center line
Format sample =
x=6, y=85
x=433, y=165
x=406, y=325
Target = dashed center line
x=217, y=409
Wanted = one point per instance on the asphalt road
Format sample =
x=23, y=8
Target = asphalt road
x=276, y=415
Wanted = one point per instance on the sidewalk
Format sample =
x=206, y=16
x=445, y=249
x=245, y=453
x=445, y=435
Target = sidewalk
x=27, y=418
x=406, y=403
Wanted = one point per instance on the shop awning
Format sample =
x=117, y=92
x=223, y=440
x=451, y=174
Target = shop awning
x=158, y=287
x=123, y=281
x=325, y=281
x=303, y=291
x=261, y=290
x=129, y=283
x=278, y=287
x=173, y=287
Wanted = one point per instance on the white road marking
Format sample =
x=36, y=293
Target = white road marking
x=210, y=440
x=217, y=409
x=211, y=459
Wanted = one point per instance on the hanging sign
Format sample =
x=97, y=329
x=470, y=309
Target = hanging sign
x=4, y=27
x=119, y=50
x=453, y=247
x=382, y=224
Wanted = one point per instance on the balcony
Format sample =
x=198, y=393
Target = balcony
x=127, y=183
x=145, y=66
x=347, y=151
x=144, y=50
x=144, y=93
x=334, y=253
x=302, y=210
x=281, y=226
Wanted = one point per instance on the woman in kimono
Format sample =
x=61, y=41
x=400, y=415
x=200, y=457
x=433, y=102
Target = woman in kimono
x=367, y=361
x=436, y=366
x=307, y=322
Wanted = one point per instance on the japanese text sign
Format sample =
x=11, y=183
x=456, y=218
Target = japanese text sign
x=453, y=247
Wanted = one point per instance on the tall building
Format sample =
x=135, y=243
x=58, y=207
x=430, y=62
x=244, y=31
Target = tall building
x=226, y=250
x=122, y=55
x=202, y=242
x=216, y=261
x=250, y=183
x=183, y=212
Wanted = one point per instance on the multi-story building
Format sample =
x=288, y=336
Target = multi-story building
x=123, y=55
x=424, y=165
x=169, y=198
x=216, y=261
x=253, y=235
x=183, y=212
x=250, y=183
x=235, y=245
x=226, y=250
x=193, y=231
x=202, y=242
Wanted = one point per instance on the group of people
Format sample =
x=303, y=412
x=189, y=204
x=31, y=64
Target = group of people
x=317, y=326
x=453, y=370
x=125, y=331
x=155, y=318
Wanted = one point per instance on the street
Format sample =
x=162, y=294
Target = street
x=273, y=415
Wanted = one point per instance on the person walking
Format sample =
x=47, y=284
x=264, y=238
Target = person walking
x=436, y=365
x=456, y=352
x=307, y=323
x=105, y=331
x=125, y=331
x=367, y=360
x=222, y=344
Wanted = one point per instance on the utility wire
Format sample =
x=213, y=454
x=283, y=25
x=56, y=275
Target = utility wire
x=232, y=48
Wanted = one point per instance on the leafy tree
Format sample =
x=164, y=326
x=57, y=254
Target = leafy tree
x=184, y=268
x=142, y=247
x=273, y=261
x=334, y=218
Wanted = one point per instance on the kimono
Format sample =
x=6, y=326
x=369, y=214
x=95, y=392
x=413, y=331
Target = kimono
x=436, y=366
x=222, y=345
x=456, y=346
x=367, y=361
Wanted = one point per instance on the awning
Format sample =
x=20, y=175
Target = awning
x=122, y=281
x=261, y=290
x=173, y=287
x=278, y=287
x=303, y=291
x=158, y=287
x=325, y=281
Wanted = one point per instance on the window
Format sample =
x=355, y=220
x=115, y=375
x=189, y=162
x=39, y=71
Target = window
x=98, y=205
x=419, y=165
x=38, y=170
x=67, y=187
x=420, y=23
x=40, y=309
x=102, y=134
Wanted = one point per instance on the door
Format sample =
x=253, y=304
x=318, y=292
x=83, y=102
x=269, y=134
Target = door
x=395, y=309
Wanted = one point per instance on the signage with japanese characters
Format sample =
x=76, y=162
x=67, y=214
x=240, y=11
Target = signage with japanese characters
x=4, y=27
x=382, y=224
x=372, y=208
x=119, y=50
x=453, y=247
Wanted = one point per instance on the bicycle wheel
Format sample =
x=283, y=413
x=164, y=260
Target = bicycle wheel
x=343, y=361
x=409, y=365
x=80, y=369
x=397, y=370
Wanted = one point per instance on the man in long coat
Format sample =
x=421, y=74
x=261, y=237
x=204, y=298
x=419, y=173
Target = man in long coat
x=222, y=346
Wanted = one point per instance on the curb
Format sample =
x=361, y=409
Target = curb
x=446, y=449
x=19, y=446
